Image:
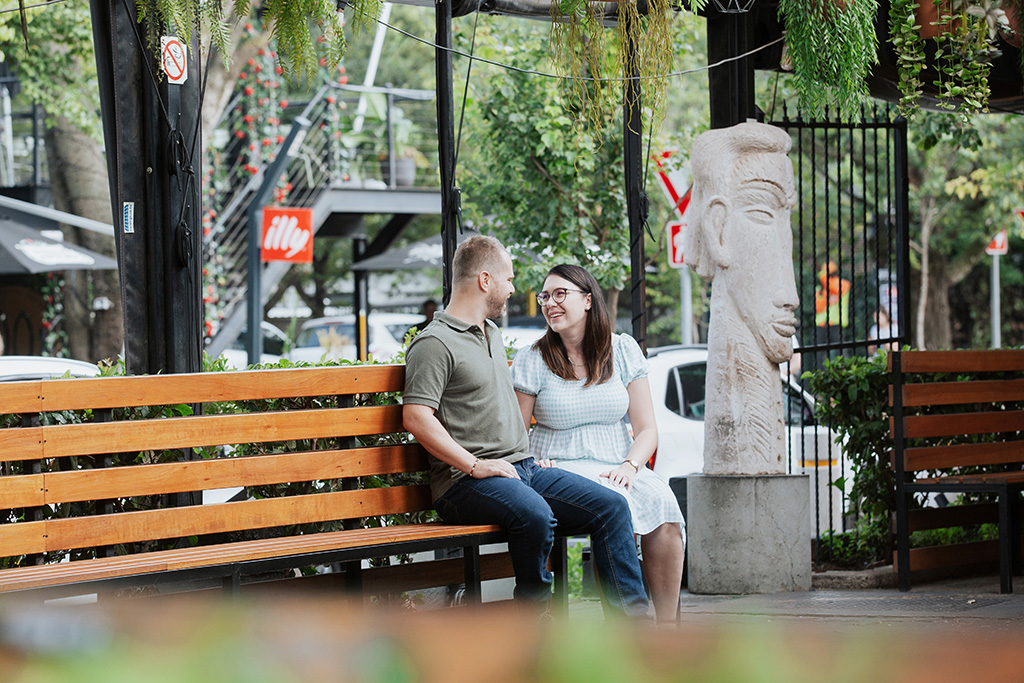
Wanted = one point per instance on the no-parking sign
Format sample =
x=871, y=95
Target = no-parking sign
x=173, y=59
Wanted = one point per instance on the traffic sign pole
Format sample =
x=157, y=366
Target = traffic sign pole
x=996, y=248
x=685, y=306
x=997, y=340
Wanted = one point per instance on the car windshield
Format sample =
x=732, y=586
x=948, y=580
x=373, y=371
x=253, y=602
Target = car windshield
x=398, y=330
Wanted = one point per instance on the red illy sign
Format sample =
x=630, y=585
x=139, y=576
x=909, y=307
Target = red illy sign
x=287, y=235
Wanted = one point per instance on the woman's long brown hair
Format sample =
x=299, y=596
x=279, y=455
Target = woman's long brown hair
x=597, y=337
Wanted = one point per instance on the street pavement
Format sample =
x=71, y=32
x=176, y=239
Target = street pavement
x=971, y=604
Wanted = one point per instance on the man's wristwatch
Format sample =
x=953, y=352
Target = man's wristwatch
x=634, y=463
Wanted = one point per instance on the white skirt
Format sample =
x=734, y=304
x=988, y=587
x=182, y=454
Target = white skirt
x=651, y=501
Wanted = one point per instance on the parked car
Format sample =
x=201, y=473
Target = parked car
x=334, y=338
x=677, y=380
x=18, y=368
x=274, y=344
x=521, y=337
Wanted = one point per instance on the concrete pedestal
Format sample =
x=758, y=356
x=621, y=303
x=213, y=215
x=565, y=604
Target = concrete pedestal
x=748, y=534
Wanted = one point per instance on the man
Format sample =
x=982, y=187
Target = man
x=741, y=238
x=459, y=403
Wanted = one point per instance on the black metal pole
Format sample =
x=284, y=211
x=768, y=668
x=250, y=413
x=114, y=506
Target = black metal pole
x=730, y=85
x=151, y=133
x=636, y=199
x=446, y=139
x=902, y=209
x=360, y=296
x=254, y=265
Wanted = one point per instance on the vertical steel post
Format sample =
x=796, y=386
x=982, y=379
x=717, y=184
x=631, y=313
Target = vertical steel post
x=997, y=323
x=446, y=139
x=151, y=133
x=636, y=200
x=901, y=196
x=360, y=294
x=254, y=264
x=730, y=85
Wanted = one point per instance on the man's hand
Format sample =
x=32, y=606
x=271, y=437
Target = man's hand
x=494, y=468
x=547, y=464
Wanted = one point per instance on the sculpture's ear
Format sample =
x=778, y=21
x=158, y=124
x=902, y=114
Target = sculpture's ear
x=716, y=215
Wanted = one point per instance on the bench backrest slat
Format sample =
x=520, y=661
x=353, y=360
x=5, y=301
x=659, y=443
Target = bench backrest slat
x=962, y=455
x=955, y=393
x=956, y=424
x=197, y=520
x=178, y=477
x=986, y=360
x=207, y=387
x=52, y=441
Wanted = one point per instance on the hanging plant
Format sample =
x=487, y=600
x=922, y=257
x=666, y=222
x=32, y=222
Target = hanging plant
x=962, y=59
x=592, y=66
x=832, y=45
x=905, y=36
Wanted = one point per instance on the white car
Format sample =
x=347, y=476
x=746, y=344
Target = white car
x=274, y=343
x=19, y=368
x=520, y=337
x=334, y=338
x=677, y=376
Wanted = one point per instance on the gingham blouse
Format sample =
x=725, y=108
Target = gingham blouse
x=584, y=431
x=576, y=422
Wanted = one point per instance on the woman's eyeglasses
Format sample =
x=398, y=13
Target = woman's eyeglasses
x=555, y=295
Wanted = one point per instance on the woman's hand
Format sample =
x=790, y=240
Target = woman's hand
x=546, y=463
x=621, y=476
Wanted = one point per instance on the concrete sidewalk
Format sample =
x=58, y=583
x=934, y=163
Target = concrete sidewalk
x=972, y=604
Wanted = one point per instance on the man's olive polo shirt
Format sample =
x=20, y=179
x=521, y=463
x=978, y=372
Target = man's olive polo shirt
x=464, y=376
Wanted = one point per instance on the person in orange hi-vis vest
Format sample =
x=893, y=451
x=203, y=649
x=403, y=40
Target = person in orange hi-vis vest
x=831, y=298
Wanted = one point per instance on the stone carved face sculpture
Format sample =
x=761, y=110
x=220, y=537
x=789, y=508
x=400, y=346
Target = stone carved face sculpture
x=741, y=237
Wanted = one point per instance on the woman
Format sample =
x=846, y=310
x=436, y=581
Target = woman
x=579, y=381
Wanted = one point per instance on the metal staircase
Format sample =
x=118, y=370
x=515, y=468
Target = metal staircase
x=341, y=155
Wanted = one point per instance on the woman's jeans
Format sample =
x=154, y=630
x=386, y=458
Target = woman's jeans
x=546, y=501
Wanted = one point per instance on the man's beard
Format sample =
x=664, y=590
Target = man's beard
x=496, y=306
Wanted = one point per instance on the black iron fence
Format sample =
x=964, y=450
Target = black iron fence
x=851, y=260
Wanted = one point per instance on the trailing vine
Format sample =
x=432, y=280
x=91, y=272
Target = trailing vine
x=832, y=46
x=963, y=60
x=905, y=36
x=591, y=66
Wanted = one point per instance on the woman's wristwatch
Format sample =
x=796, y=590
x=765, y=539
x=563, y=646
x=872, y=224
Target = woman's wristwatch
x=636, y=466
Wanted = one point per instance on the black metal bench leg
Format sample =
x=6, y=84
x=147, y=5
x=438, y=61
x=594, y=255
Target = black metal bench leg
x=902, y=542
x=1014, y=513
x=354, y=576
x=1006, y=529
x=233, y=582
x=471, y=563
x=560, y=569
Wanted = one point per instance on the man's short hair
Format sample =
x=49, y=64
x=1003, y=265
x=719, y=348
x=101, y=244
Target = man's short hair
x=475, y=255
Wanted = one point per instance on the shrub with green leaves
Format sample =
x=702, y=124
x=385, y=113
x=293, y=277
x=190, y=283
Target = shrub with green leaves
x=853, y=401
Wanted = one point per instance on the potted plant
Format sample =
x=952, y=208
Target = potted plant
x=398, y=149
x=947, y=47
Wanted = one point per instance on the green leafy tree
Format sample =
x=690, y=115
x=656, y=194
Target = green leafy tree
x=959, y=198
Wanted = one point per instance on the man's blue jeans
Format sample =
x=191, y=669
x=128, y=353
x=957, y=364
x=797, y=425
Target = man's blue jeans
x=545, y=501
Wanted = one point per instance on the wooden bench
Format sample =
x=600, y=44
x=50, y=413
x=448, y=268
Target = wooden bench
x=115, y=502
x=957, y=423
